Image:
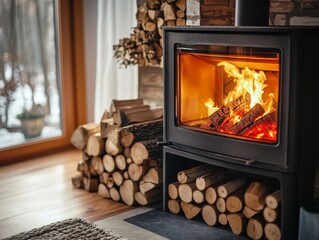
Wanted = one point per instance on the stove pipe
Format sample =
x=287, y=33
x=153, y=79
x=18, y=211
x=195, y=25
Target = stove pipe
x=252, y=13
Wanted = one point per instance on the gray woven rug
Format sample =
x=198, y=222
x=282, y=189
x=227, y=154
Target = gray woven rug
x=69, y=229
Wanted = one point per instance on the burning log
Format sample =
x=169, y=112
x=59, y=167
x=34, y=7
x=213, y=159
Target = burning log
x=248, y=118
x=224, y=112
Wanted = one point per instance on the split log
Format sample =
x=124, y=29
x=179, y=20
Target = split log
x=118, y=178
x=82, y=133
x=198, y=196
x=218, y=117
x=91, y=168
x=144, y=187
x=103, y=191
x=78, y=181
x=106, y=126
x=272, y=231
x=109, y=163
x=97, y=164
x=119, y=104
x=174, y=206
x=169, y=12
x=90, y=184
x=141, y=131
x=127, y=191
x=271, y=215
x=154, y=175
x=209, y=179
x=255, y=227
x=112, y=149
x=152, y=196
x=114, y=194
x=235, y=202
x=210, y=215
x=95, y=145
x=120, y=161
x=222, y=219
x=190, y=175
x=249, y=213
x=272, y=200
x=255, y=195
x=255, y=112
x=136, y=172
x=190, y=210
x=185, y=191
x=103, y=177
x=114, y=136
x=229, y=187
x=144, y=150
x=181, y=4
x=173, y=190
x=221, y=204
x=237, y=222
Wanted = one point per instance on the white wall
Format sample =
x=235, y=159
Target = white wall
x=90, y=28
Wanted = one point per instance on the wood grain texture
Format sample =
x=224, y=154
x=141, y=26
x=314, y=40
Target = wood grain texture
x=39, y=191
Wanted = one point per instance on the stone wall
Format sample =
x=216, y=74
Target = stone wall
x=282, y=12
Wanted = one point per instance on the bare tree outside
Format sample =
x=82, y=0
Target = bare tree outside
x=29, y=86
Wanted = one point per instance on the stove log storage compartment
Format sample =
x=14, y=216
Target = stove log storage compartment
x=207, y=62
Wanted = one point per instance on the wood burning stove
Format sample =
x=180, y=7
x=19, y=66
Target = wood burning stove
x=244, y=98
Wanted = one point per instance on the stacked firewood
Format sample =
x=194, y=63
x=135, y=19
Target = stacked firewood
x=145, y=45
x=222, y=197
x=121, y=159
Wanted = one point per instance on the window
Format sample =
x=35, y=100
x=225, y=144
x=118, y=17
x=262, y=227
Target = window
x=42, y=93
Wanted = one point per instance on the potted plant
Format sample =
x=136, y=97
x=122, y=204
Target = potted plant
x=32, y=121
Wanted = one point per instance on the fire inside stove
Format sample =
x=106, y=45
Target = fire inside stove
x=229, y=90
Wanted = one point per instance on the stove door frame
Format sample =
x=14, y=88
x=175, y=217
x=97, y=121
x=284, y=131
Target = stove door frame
x=280, y=156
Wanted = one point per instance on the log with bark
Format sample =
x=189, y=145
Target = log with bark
x=272, y=231
x=174, y=206
x=185, y=191
x=103, y=191
x=210, y=214
x=229, y=187
x=255, y=227
x=218, y=117
x=255, y=195
x=235, y=201
x=237, y=222
x=141, y=131
x=145, y=149
x=173, y=190
x=273, y=200
x=154, y=175
x=150, y=197
x=127, y=191
x=191, y=174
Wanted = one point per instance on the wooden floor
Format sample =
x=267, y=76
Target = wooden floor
x=39, y=191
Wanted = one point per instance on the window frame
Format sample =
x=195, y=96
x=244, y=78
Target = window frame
x=72, y=81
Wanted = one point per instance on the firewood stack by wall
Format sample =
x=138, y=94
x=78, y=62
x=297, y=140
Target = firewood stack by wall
x=120, y=156
x=225, y=198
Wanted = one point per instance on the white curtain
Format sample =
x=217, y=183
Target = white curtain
x=115, y=20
